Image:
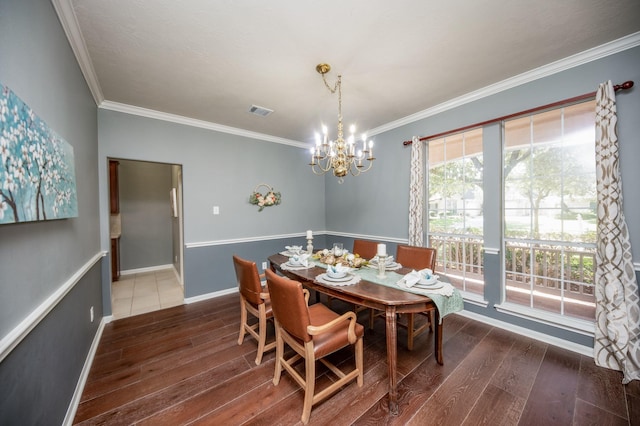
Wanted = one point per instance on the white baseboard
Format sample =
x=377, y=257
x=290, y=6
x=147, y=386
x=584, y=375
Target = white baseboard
x=210, y=295
x=545, y=338
x=77, y=394
x=148, y=269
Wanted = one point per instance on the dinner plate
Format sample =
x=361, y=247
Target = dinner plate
x=435, y=286
x=432, y=281
x=347, y=277
x=292, y=265
x=387, y=266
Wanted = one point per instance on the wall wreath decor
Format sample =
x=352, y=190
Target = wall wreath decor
x=267, y=199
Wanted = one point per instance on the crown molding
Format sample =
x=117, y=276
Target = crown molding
x=69, y=23
x=619, y=45
x=179, y=119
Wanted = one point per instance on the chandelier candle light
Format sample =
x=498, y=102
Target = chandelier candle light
x=338, y=155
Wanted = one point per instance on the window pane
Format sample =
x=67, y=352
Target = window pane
x=455, y=215
x=549, y=210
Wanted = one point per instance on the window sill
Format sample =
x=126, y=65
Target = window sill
x=570, y=324
x=474, y=299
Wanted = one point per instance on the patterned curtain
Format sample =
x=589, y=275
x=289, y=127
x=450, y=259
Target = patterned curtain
x=617, y=335
x=416, y=193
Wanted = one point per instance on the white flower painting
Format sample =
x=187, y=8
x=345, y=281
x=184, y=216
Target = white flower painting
x=37, y=174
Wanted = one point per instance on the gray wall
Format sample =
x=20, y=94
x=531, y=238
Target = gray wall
x=38, y=378
x=218, y=169
x=382, y=195
x=145, y=211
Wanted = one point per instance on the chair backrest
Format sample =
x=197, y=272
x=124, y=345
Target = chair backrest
x=365, y=248
x=289, y=305
x=416, y=257
x=248, y=280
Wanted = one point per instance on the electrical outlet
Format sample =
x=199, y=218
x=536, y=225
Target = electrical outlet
x=216, y=210
x=264, y=265
x=91, y=313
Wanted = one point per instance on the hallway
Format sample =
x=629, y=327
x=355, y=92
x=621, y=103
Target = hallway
x=145, y=292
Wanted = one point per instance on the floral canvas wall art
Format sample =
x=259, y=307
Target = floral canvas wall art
x=37, y=174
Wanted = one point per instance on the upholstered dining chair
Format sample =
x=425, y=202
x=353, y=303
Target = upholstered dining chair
x=313, y=332
x=365, y=248
x=416, y=258
x=254, y=299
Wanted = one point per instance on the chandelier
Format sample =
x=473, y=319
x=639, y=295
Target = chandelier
x=340, y=156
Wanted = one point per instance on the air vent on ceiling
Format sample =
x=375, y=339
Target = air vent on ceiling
x=261, y=111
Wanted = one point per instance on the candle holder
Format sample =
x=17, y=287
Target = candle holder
x=310, y=245
x=382, y=265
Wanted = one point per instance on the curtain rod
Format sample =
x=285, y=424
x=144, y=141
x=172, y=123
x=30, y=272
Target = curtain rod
x=624, y=86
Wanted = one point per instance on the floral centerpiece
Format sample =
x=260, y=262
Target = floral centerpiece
x=269, y=198
x=347, y=259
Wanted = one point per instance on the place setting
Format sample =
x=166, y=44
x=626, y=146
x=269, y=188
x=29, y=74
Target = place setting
x=290, y=251
x=425, y=281
x=381, y=256
x=338, y=275
x=298, y=262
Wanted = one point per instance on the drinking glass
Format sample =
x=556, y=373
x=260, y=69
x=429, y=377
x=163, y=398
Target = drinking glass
x=337, y=249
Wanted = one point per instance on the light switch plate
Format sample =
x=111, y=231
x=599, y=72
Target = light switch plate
x=216, y=210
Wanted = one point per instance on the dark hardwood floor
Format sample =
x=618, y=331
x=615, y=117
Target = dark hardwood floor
x=183, y=366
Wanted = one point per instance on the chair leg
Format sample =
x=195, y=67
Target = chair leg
x=279, y=354
x=310, y=383
x=359, y=363
x=262, y=333
x=410, y=331
x=243, y=320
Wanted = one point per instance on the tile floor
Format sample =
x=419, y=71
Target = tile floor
x=145, y=292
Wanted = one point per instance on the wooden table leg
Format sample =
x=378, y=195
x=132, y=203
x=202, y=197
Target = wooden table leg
x=392, y=358
x=437, y=337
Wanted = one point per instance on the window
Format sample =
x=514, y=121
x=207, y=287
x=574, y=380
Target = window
x=549, y=211
x=455, y=215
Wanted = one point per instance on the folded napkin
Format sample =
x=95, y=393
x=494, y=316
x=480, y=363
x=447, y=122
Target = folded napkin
x=413, y=277
x=337, y=270
x=294, y=249
x=299, y=260
x=410, y=279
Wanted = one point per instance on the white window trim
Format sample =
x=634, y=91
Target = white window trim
x=474, y=299
x=584, y=327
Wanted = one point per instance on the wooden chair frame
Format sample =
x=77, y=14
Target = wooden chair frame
x=412, y=331
x=305, y=350
x=259, y=310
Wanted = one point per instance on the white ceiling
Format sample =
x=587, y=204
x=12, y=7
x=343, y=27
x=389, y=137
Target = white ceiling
x=211, y=60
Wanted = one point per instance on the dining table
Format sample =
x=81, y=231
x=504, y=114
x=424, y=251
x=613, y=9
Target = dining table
x=392, y=301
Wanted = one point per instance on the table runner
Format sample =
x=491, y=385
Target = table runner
x=446, y=304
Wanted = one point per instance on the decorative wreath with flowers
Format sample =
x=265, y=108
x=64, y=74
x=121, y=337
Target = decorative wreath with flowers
x=270, y=197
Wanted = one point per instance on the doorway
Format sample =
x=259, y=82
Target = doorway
x=149, y=243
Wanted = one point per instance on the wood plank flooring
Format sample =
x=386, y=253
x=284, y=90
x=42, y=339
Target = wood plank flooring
x=183, y=365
